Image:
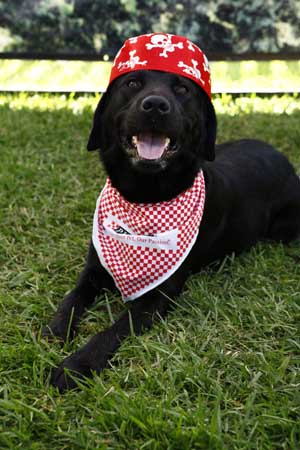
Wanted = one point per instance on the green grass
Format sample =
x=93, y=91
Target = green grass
x=221, y=372
x=85, y=76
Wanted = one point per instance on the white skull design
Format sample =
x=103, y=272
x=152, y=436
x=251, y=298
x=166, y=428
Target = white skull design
x=164, y=42
x=159, y=40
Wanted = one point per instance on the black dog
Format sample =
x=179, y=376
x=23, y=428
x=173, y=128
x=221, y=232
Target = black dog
x=252, y=194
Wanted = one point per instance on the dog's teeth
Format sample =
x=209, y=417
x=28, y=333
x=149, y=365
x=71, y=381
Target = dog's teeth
x=167, y=143
x=134, y=141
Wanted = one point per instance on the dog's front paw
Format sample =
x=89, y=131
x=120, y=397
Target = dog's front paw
x=72, y=369
x=76, y=367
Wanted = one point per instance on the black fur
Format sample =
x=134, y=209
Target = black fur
x=252, y=194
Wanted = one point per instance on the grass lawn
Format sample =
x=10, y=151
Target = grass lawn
x=92, y=76
x=221, y=372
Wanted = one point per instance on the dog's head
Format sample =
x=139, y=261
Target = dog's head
x=154, y=129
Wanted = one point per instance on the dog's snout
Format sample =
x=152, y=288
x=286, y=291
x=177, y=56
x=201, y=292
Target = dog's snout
x=156, y=103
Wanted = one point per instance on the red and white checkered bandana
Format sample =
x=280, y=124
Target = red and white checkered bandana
x=164, y=52
x=143, y=244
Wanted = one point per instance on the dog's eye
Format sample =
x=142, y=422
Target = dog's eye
x=181, y=89
x=133, y=84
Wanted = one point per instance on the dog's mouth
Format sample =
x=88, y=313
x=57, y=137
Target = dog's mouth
x=149, y=146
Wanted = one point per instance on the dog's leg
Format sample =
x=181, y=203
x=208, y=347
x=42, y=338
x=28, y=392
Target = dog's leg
x=91, y=281
x=94, y=356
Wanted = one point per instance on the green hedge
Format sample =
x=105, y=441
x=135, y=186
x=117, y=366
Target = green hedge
x=99, y=27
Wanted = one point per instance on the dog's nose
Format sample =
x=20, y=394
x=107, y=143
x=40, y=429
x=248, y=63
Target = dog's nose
x=156, y=103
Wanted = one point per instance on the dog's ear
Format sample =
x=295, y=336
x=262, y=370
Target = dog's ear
x=211, y=132
x=96, y=135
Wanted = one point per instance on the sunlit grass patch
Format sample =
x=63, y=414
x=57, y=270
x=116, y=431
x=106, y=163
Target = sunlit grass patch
x=256, y=76
x=227, y=104
x=92, y=76
x=49, y=102
x=224, y=104
x=43, y=75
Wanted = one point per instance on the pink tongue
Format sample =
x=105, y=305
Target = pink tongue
x=150, y=146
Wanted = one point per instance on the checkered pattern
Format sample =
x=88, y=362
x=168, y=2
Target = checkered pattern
x=137, y=269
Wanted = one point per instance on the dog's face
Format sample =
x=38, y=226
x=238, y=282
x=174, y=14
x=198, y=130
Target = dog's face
x=154, y=130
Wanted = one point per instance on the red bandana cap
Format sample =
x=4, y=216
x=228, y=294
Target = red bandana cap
x=164, y=52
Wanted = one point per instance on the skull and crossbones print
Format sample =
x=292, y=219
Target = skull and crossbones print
x=132, y=62
x=163, y=41
x=191, y=70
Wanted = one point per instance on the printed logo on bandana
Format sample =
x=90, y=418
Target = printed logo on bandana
x=120, y=230
x=161, y=241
